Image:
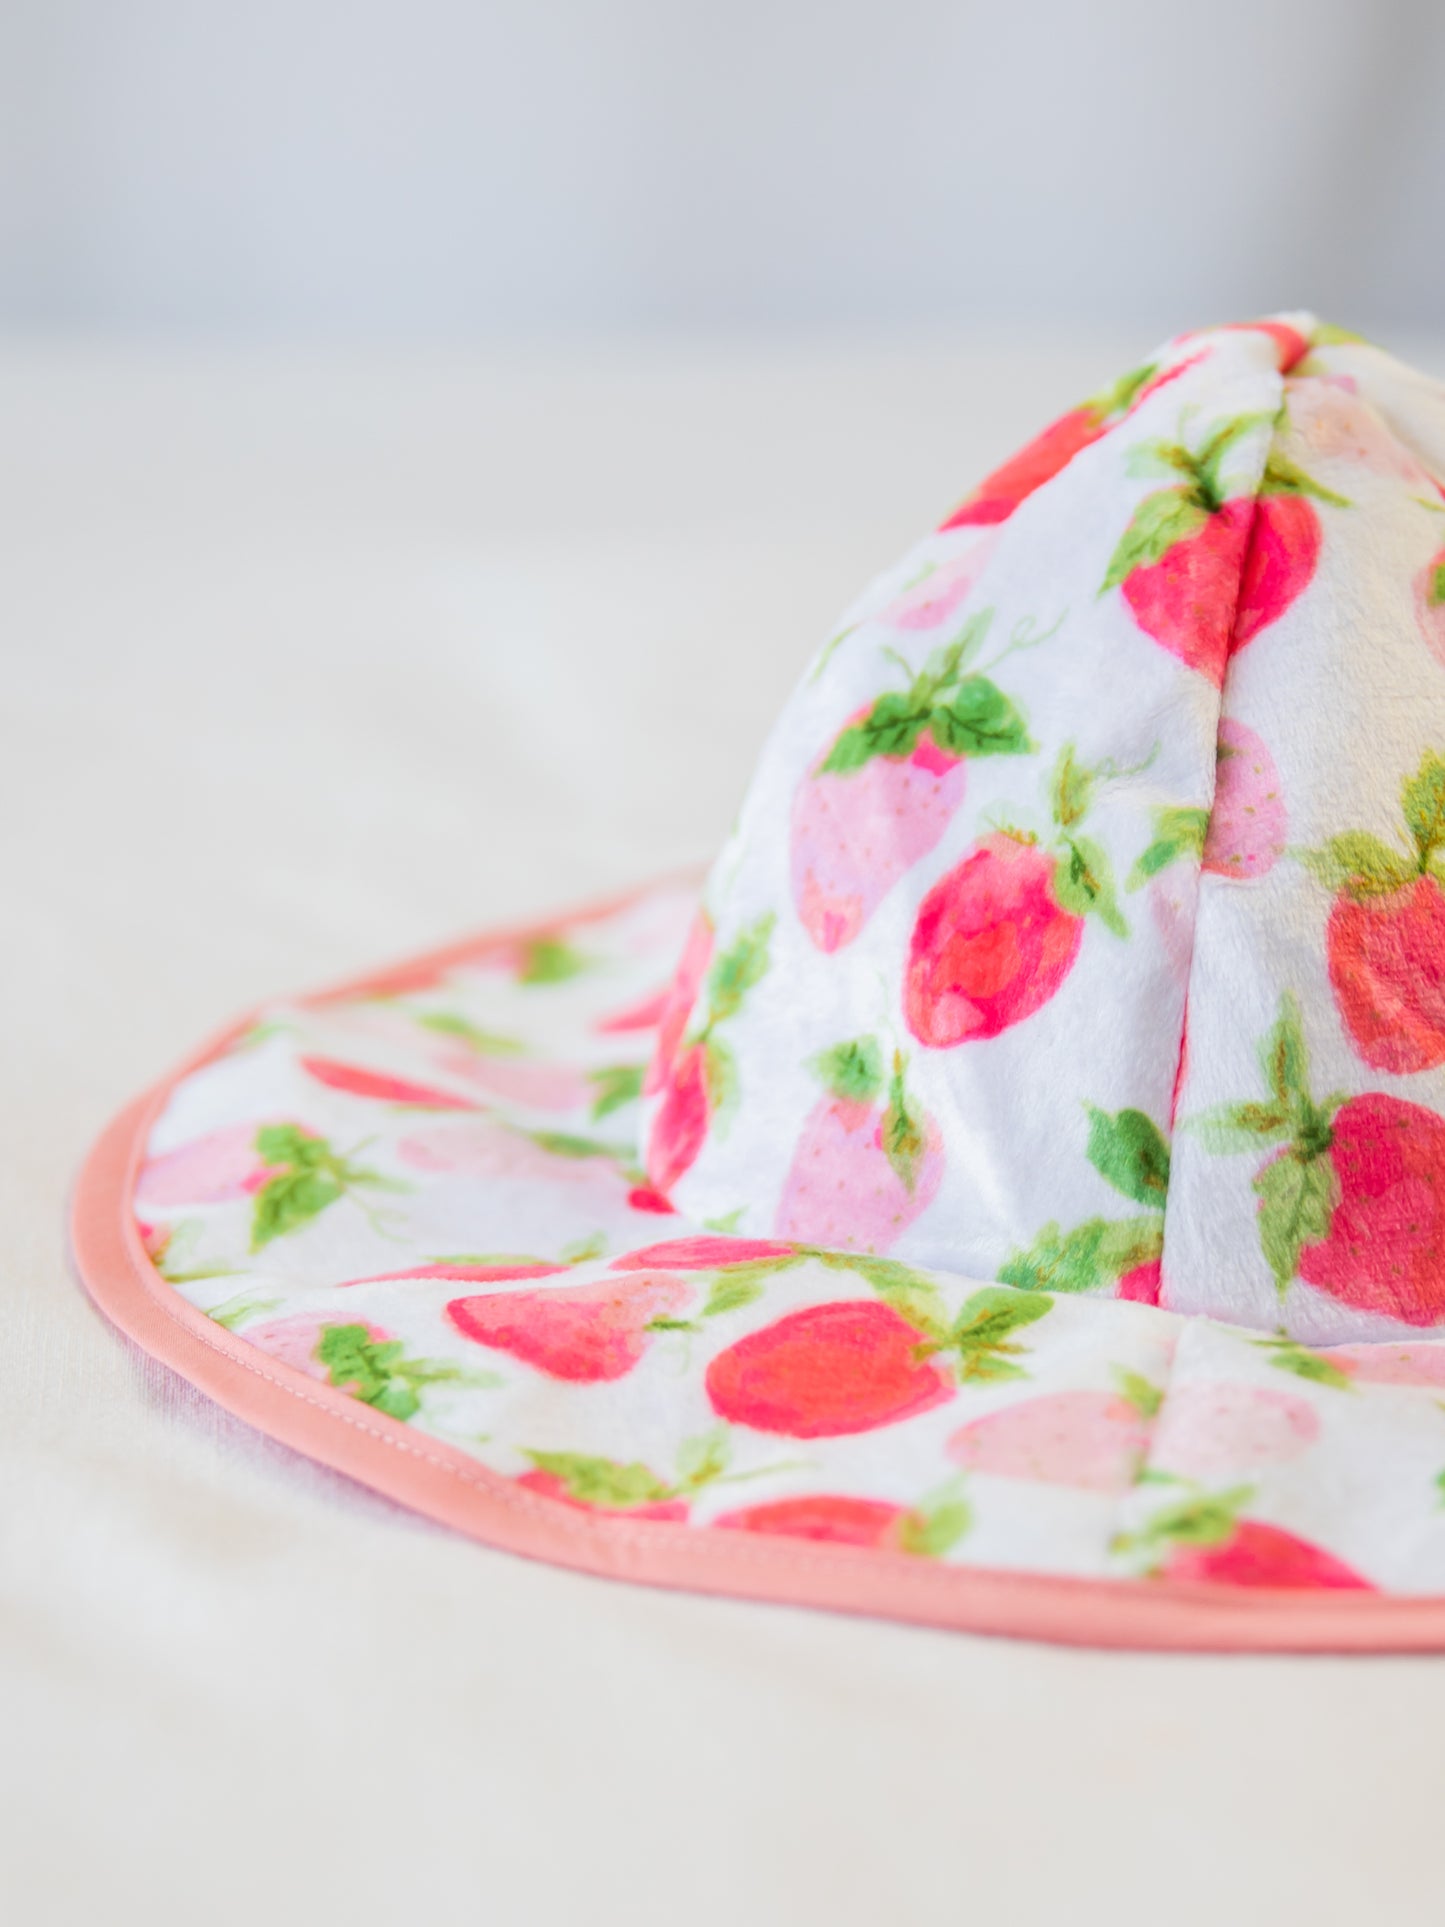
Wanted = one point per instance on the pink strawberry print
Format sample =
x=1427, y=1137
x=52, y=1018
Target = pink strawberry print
x=501, y=1067
x=1422, y=1365
x=999, y=494
x=853, y=1365
x=1385, y=937
x=586, y=1333
x=554, y=1485
x=868, y=1163
x=214, y=1169
x=1203, y=1540
x=1247, y=825
x=700, y=1079
x=1095, y=1441
x=997, y=935
x=291, y=1175
x=832, y=1518
x=882, y=793
x=1353, y=1202
x=1218, y=1430
x=1121, y=1255
x=938, y=594
x=484, y=1148
x=1430, y=604
x=1202, y=571
x=1241, y=836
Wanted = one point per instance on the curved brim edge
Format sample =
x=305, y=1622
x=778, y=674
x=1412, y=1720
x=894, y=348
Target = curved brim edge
x=446, y=1485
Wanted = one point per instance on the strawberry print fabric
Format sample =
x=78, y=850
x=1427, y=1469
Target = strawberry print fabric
x=1027, y=1151
x=426, y=1197
x=1127, y=780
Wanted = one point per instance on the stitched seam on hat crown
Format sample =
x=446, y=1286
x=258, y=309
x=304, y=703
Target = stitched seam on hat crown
x=1246, y=555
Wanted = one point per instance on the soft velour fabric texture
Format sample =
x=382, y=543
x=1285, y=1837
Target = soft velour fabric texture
x=1039, y=1138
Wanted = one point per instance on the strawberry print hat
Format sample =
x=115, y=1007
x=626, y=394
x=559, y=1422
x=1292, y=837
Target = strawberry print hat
x=1009, y=1193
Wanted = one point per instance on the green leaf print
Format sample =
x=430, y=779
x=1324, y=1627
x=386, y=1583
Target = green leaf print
x=617, y=1086
x=551, y=960
x=1129, y=1150
x=289, y=1200
x=603, y=1482
x=936, y=1526
x=852, y=1071
x=1423, y=800
x=978, y=720
x=1177, y=833
x=741, y=966
x=1084, y=884
x=1288, y=1356
x=379, y=1374
x=982, y=1333
x=905, y=1144
x=486, y=1043
x=1297, y=1198
x=1161, y=520
x=1092, y=1256
x=1142, y=1393
x=1360, y=864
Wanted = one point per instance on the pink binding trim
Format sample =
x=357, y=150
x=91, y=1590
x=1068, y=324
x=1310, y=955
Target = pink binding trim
x=448, y=1486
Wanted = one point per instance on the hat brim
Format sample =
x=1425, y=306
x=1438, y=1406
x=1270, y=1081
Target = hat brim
x=1051, y=1485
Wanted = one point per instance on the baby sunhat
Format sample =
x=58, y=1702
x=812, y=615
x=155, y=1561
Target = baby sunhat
x=1009, y=1193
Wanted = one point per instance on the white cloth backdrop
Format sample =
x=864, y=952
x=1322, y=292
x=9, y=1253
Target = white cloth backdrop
x=303, y=664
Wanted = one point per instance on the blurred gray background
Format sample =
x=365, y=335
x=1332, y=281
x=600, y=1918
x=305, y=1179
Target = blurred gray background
x=463, y=170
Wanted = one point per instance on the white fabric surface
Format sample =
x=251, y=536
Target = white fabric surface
x=263, y=620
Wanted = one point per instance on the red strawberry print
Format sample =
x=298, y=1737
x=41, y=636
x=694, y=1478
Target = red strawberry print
x=1385, y=937
x=827, y=1371
x=997, y=935
x=1354, y=1200
x=699, y=1079
x=853, y=1365
x=883, y=792
x=1095, y=1441
x=380, y=1087
x=1131, y=1153
x=679, y=999
x=1430, y=604
x=585, y=1333
x=679, y=1127
x=594, y=1484
x=868, y=1163
x=1290, y=345
x=999, y=494
x=1202, y=1540
x=1203, y=571
x=832, y=1518
x=643, y=1197
x=1256, y=1554
x=1143, y=1284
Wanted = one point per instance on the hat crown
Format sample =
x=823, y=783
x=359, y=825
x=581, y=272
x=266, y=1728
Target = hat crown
x=1083, y=926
